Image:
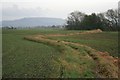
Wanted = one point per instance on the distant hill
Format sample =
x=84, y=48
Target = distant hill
x=34, y=21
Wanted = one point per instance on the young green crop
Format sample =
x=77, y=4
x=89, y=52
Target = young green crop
x=23, y=58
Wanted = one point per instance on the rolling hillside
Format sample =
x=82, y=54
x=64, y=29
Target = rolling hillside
x=34, y=21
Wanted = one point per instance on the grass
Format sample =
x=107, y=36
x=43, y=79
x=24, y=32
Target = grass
x=26, y=59
x=70, y=59
x=39, y=31
x=106, y=41
x=23, y=58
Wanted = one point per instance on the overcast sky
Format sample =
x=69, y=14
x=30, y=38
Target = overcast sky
x=15, y=9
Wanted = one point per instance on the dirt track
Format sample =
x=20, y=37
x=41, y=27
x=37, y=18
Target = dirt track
x=106, y=65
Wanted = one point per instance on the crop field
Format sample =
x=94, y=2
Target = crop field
x=58, y=53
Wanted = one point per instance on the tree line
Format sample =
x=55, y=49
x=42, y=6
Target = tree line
x=107, y=21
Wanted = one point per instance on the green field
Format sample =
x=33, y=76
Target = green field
x=106, y=41
x=27, y=59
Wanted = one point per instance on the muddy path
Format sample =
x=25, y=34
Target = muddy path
x=105, y=66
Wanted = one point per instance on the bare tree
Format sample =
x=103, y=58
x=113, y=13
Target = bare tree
x=74, y=19
x=112, y=16
x=110, y=19
x=119, y=14
x=105, y=21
